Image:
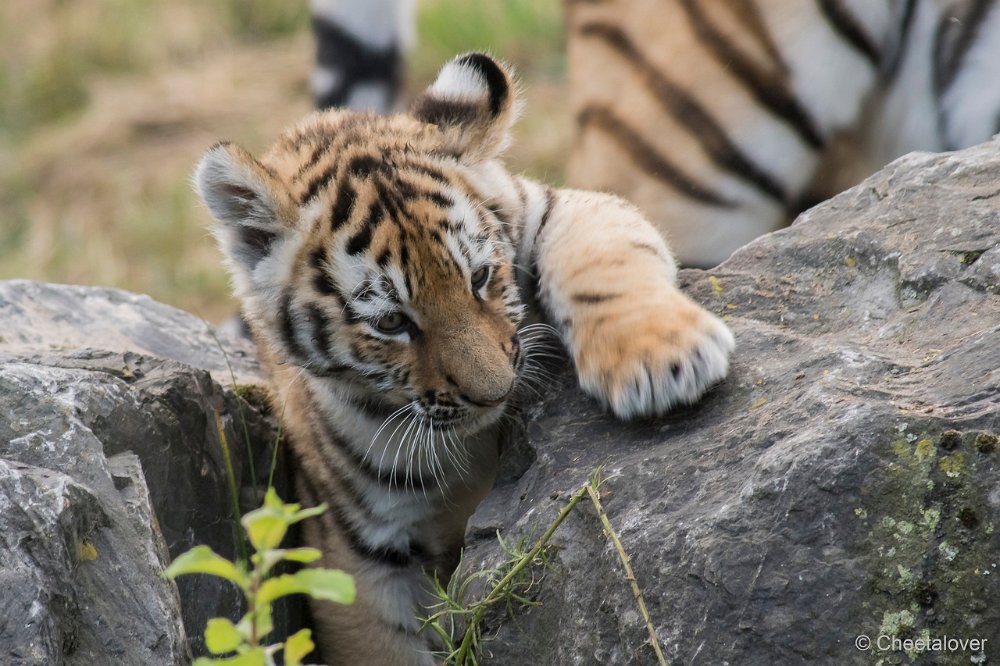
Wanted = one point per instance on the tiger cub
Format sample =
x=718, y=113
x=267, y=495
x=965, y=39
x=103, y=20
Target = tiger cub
x=383, y=263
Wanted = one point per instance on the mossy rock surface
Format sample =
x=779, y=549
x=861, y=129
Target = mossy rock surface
x=843, y=481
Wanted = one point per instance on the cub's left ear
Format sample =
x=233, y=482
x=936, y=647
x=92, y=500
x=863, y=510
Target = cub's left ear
x=252, y=208
x=473, y=102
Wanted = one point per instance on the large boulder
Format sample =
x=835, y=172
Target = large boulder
x=111, y=464
x=844, y=481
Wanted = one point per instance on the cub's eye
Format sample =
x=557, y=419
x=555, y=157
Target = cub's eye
x=393, y=323
x=480, y=277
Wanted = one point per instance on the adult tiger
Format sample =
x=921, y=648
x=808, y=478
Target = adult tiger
x=382, y=263
x=722, y=119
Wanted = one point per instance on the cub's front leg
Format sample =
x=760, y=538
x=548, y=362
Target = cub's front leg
x=608, y=281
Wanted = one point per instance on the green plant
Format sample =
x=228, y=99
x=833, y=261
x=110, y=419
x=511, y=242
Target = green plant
x=265, y=528
x=457, y=620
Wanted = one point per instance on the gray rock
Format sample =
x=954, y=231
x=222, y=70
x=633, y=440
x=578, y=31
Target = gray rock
x=110, y=466
x=843, y=481
x=36, y=316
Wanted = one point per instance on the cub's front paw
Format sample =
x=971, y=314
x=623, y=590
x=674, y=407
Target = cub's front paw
x=656, y=353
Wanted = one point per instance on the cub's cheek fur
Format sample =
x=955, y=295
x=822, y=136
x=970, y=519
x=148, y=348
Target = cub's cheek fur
x=659, y=351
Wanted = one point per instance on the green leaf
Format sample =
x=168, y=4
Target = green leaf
x=304, y=555
x=264, y=561
x=277, y=587
x=266, y=528
x=267, y=525
x=307, y=513
x=297, y=646
x=327, y=584
x=202, y=559
x=272, y=501
x=221, y=636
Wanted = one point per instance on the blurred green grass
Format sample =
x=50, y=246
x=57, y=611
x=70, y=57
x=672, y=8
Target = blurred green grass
x=105, y=106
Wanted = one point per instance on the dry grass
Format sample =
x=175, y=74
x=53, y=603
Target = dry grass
x=107, y=104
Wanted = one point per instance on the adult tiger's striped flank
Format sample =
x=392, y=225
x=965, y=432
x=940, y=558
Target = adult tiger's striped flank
x=720, y=119
x=383, y=264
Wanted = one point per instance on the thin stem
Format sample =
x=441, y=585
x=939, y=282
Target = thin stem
x=239, y=405
x=274, y=448
x=629, y=575
x=231, y=479
x=463, y=653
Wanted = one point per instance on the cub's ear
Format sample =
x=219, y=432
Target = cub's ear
x=253, y=210
x=473, y=102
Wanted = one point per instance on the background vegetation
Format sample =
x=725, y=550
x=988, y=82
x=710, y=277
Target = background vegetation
x=106, y=105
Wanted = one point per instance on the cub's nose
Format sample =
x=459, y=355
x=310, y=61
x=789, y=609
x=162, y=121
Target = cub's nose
x=490, y=402
x=481, y=398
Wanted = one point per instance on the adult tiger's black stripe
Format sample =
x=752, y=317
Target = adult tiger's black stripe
x=768, y=89
x=648, y=158
x=846, y=25
x=955, y=36
x=354, y=63
x=687, y=111
x=890, y=66
x=748, y=15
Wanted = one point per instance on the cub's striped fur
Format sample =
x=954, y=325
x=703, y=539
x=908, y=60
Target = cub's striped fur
x=384, y=263
x=721, y=119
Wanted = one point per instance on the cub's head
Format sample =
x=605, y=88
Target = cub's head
x=373, y=252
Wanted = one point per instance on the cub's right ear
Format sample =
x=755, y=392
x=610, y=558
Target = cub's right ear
x=252, y=208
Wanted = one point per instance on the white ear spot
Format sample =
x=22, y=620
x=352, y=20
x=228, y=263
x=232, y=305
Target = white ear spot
x=459, y=82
